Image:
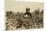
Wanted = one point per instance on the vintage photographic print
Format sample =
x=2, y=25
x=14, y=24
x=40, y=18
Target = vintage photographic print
x=24, y=15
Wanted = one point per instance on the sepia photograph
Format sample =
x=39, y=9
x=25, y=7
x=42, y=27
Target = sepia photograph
x=24, y=15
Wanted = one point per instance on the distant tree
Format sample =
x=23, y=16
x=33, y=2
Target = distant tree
x=36, y=11
x=8, y=13
x=42, y=11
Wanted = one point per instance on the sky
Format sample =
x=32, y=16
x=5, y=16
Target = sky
x=20, y=6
